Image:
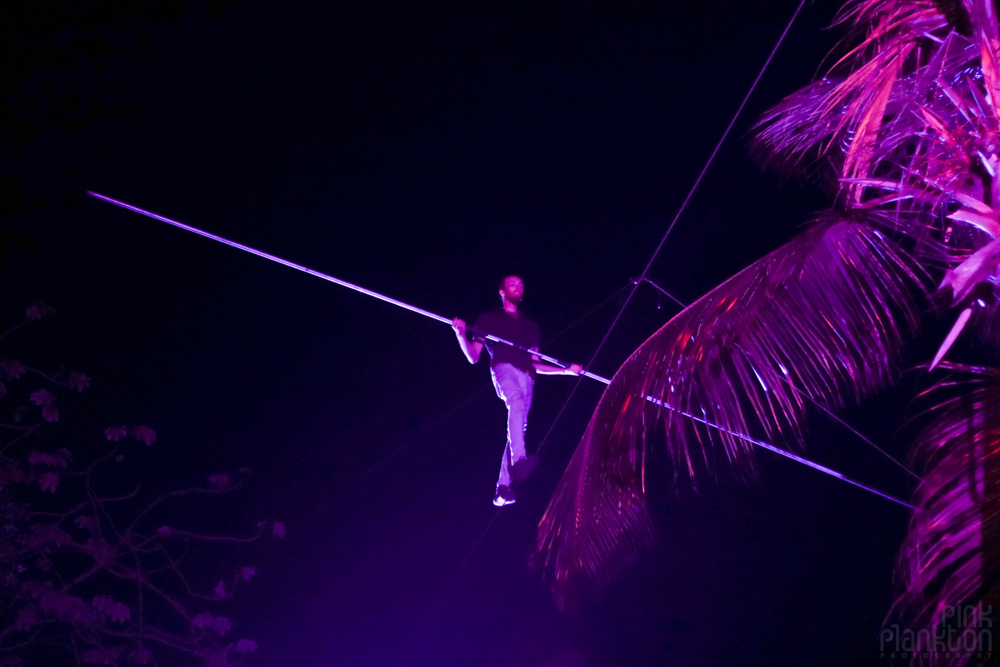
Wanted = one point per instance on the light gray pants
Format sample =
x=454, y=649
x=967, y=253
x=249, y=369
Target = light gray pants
x=514, y=387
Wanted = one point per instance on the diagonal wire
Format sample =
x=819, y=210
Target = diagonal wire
x=853, y=430
x=722, y=139
x=482, y=536
x=589, y=313
x=680, y=211
x=436, y=422
x=777, y=450
x=416, y=438
x=643, y=278
x=701, y=176
x=635, y=285
x=664, y=292
x=819, y=405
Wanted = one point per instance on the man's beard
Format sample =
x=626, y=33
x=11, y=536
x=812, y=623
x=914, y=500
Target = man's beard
x=516, y=300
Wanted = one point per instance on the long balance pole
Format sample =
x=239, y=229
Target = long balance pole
x=491, y=337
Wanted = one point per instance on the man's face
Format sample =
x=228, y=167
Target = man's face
x=513, y=289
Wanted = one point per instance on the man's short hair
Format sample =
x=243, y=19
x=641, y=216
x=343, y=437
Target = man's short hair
x=503, y=281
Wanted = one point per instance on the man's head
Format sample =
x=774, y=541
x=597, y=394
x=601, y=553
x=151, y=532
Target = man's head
x=511, y=289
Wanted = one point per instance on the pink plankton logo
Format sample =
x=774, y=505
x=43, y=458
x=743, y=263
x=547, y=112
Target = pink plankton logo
x=963, y=631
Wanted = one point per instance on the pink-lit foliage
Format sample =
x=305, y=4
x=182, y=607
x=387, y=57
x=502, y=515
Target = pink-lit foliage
x=905, y=128
x=88, y=573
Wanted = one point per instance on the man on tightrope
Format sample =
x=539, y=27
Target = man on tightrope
x=513, y=372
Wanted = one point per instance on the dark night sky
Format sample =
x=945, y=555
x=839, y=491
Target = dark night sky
x=424, y=152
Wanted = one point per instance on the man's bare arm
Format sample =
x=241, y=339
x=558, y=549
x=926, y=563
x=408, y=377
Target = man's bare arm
x=471, y=350
x=546, y=369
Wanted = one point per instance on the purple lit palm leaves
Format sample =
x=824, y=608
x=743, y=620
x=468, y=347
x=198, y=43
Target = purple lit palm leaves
x=950, y=554
x=905, y=123
x=743, y=357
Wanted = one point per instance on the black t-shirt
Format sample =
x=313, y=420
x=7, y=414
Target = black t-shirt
x=522, y=331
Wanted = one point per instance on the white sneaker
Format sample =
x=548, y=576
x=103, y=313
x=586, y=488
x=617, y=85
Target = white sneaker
x=504, y=496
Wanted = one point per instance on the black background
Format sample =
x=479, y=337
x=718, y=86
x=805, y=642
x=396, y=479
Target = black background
x=424, y=152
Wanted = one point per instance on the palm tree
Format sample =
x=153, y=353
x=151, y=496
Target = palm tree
x=905, y=126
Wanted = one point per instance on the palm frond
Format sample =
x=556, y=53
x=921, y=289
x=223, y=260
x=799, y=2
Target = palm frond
x=913, y=131
x=843, y=113
x=948, y=560
x=822, y=317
